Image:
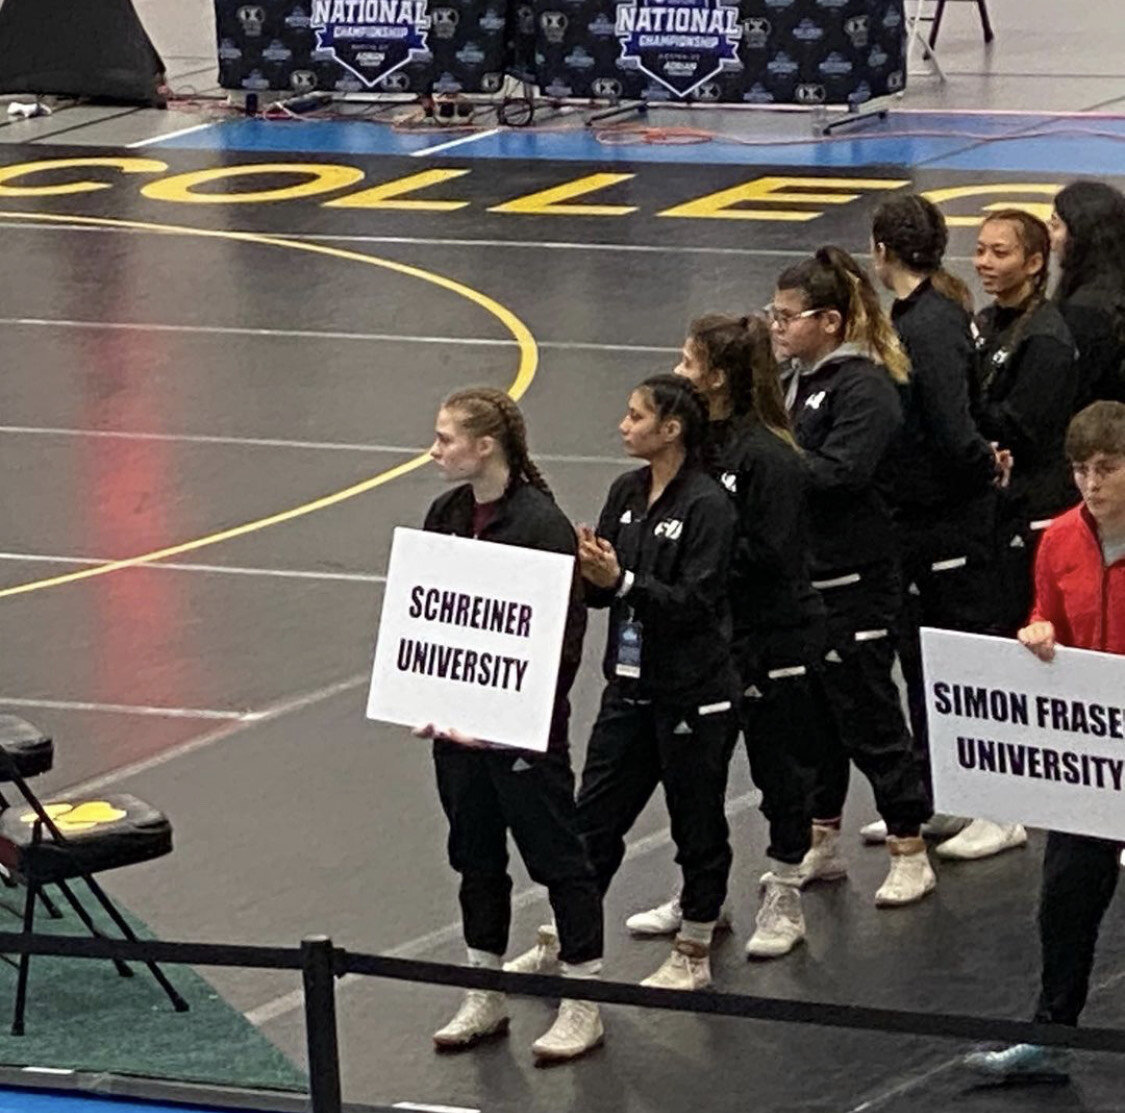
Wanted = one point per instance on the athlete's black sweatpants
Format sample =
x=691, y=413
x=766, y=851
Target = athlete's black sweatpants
x=870, y=729
x=636, y=746
x=953, y=582
x=486, y=793
x=1079, y=877
x=787, y=729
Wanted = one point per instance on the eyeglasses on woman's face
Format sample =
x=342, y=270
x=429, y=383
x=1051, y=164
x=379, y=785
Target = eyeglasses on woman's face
x=783, y=318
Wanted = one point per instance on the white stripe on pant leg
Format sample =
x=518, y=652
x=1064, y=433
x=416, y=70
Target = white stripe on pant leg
x=949, y=565
x=715, y=708
x=870, y=635
x=838, y=581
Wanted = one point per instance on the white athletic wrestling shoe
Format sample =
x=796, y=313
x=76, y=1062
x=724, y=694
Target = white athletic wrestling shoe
x=981, y=839
x=665, y=919
x=910, y=877
x=543, y=958
x=823, y=862
x=780, y=924
x=687, y=967
x=577, y=1029
x=483, y=1013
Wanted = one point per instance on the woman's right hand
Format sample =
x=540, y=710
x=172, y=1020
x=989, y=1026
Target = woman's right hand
x=1039, y=637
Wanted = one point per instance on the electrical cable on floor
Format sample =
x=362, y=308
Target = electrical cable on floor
x=457, y=115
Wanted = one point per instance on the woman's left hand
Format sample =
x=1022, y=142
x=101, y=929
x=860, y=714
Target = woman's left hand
x=598, y=560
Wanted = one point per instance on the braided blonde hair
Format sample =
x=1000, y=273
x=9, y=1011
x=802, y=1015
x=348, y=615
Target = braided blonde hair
x=484, y=411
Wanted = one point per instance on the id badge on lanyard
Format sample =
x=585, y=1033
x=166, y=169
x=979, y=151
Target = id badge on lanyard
x=630, y=639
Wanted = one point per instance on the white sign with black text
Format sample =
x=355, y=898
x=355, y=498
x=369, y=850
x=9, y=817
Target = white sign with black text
x=470, y=638
x=1019, y=740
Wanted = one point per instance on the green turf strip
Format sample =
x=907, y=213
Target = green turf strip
x=81, y=1015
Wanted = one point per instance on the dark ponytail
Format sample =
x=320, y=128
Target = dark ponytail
x=832, y=279
x=915, y=235
x=675, y=397
x=743, y=350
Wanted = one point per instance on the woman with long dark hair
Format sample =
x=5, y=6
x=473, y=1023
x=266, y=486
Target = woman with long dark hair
x=1087, y=231
x=659, y=560
x=944, y=478
x=1026, y=386
x=778, y=617
x=844, y=397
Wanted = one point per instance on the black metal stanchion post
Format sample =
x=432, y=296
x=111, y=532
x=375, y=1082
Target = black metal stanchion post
x=320, y=1023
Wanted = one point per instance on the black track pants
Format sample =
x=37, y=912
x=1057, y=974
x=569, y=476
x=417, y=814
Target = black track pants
x=486, y=793
x=633, y=748
x=1079, y=877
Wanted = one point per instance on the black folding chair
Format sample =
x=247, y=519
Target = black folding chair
x=60, y=841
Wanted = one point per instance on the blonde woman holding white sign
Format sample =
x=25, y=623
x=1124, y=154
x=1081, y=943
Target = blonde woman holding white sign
x=480, y=444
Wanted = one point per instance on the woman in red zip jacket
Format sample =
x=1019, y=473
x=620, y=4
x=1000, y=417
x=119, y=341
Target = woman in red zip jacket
x=1079, y=602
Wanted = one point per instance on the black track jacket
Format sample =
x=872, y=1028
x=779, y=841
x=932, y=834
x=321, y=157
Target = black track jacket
x=528, y=518
x=941, y=461
x=1090, y=313
x=769, y=580
x=679, y=552
x=846, y=415
x=1027, y=383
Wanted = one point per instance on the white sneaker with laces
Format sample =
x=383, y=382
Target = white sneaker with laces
x=910, y=877
x=483, y=1013
x=983, y=838
x=543, y=958
x=780, y=924
x=687, y=967
x=667, y=918
x=823, y=862
x=577, y=1029
x=938, y=826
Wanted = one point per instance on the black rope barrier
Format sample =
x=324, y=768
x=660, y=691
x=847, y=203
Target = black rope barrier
x=707, y=1002
x=897, y=1021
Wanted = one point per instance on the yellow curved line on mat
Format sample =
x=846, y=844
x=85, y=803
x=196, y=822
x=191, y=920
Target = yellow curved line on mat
x=529, y=361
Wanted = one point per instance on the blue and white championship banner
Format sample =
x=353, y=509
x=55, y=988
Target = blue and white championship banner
x=808, y=52
x=380, y=46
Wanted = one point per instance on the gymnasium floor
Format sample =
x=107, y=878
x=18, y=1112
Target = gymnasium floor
x=193, y=369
